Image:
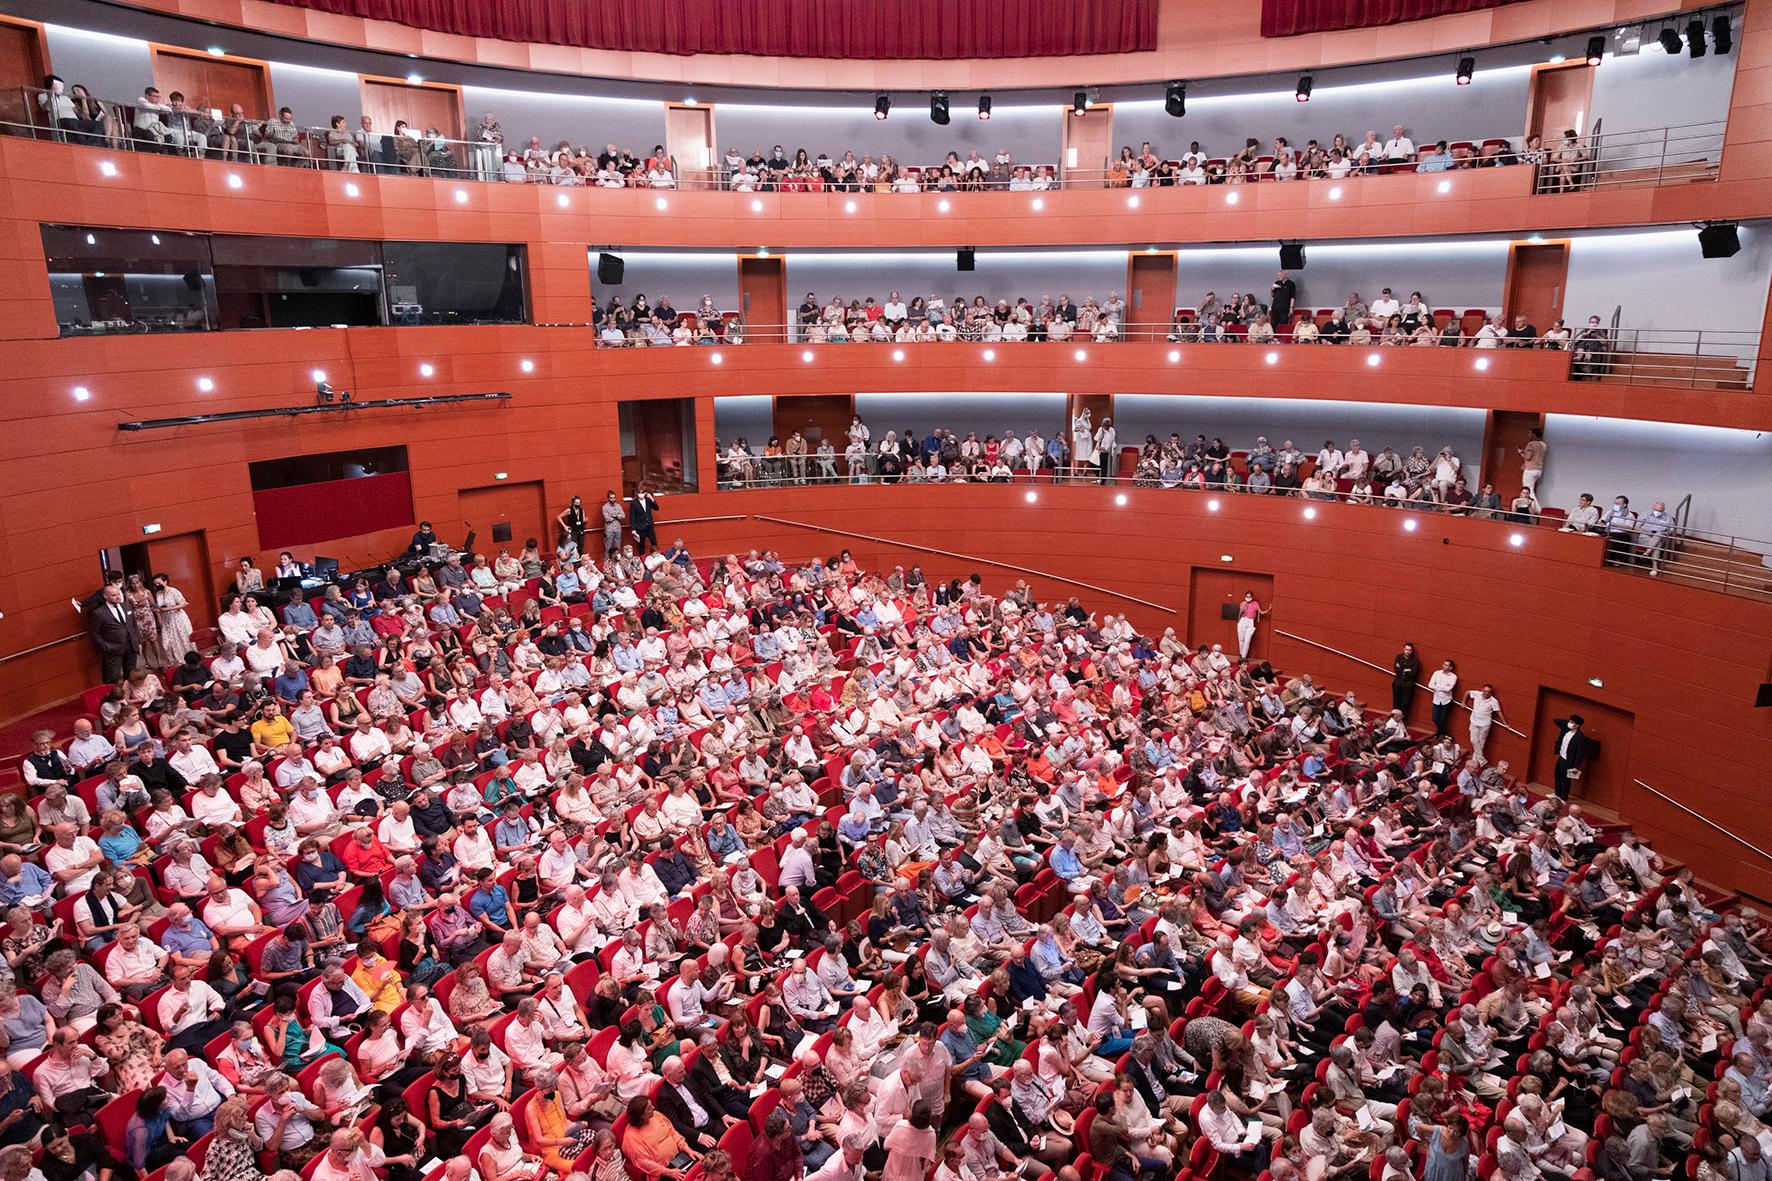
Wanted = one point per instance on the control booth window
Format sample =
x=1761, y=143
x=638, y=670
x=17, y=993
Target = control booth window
x=106, y=281
x=453, y=283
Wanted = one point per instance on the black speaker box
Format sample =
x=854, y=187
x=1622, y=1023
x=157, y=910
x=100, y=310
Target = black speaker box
x=1292, y=256
x=965, y=259
x=610, y=269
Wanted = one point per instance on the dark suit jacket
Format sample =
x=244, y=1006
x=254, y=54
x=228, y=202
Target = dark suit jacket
x=110, y=633
x=671, y=1104
x=1581, y=748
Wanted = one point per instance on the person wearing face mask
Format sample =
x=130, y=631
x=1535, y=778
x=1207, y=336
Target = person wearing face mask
x=547, y=1130
x=1621, y=532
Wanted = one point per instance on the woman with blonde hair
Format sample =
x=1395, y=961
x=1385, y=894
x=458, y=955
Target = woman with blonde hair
x=233, y=1146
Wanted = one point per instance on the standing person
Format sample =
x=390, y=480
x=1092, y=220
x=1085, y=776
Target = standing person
x=1532, y=461
x=1107, y=450
x=1441, y=685
x=1082, y=441
x=572, y=522
x=796, y=451
x=112, y=628
x=613, y=516
x=1573, y=749
x=1485, y=710
x=1248, y=612
x=641, y=512
x=1405, y=674
x=1284, y=295
x=175, y=623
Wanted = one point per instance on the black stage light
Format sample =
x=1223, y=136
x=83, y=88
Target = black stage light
x=984, y=106
x=1303, y=94
x=1466, y=67
x=1175, y=99
x=882, y=106
x=1596, y=50
x=938, y=109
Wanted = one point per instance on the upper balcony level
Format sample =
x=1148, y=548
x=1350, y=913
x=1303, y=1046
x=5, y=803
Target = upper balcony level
x=1659, y=137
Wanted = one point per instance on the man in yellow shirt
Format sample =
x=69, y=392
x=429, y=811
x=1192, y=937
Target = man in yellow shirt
x=271, y=730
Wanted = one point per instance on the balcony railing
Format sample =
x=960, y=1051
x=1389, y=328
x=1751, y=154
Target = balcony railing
x=1658, y=156
x=1662, y=358
x=1654, y=156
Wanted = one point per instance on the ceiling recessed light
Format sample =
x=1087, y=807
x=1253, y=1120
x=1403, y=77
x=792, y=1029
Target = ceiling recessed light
x=1557, y=59
x=661, y=203
x=990, y=354
x=1372, y=360
x=1039, y=203
x=1409, y=524
x=526, y=365
x=81, y=393
x=1081, y=355
x=1444, y=186
x=1232, y=198
x=1132, y=201
x=414, y=79
x=806, y=356
x=689, y=100
x=1032, y=496
x=318, y=375
x=217, y=51
x=898, y=354
x=564, y=201
x=351, y=189
x=756, y=205
x=1335, y=193
x=1536, y=239
x=1212, y=505
x=1120, y=500
x=461, y=196
x=154, y=238
x=234, y=181
x=849, y=207
x=762, y=252
x=1310, y=513
x=205, y=384
x=92, y=239
x=1174, y=355
x=716, y=358
x=943, y=206
x=1516, y=540
x=1273, y=358
x=106, y=168
x=1481, y=363
x=426, y=369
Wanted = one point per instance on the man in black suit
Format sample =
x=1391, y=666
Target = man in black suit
x=1573, y=750
x=641, y=512
x=693, y=1110
x=112, y=627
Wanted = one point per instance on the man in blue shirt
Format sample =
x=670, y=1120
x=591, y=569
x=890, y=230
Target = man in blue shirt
x=1439, y=161
x=298, y=614
x=24, y=883
x=290, y=684
x=186, y=938
x=491, y=905
x=1067, y=865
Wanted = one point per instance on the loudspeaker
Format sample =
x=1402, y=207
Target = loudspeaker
x=1292, y=256
x=965, y=259
x=1719, y=241
x=609, y=269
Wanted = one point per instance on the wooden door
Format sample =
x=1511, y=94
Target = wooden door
x=1560, y=100
x=689, y=140
x=1537, y=274
x=1504, y=433
x=817, y=417
x=184, y=559
x=1088, y=143
x=215, y=83
x=23, y=64
x=506, y=516
x=420, y=106
x=1211, y=592
x=1150, y=302
x=763, y=297
x=1607, y=773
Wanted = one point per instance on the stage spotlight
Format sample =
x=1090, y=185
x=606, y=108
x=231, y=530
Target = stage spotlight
x=938, y=109
x=1721, y=35
x=882, y=106
x=1303, y=93
x=1596, y=50
x=984, y=106
x=1466, y=67
x=1175, y=99
x=1080, y=103
x=1670, y=40
x=1695, y=37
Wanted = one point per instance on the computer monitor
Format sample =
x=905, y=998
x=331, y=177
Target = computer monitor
x=288, y=585
x=467, y=544
x=326, y=567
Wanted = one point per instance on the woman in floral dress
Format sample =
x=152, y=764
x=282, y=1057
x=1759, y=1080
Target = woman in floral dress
x=147, y=621
x=175, y=624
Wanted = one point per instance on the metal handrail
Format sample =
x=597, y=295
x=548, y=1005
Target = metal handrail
x=55, y=643
x=927, y=549
x=1657, y=155
x=1736, y=837
x=1378, y=667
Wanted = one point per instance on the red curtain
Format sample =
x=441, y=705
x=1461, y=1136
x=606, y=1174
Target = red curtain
x=788, y=28
x=1284, y=18
x=308, y=513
